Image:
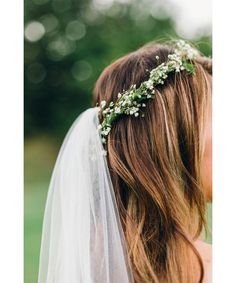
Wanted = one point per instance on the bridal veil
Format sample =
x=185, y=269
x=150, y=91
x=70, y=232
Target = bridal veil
x=82, y=238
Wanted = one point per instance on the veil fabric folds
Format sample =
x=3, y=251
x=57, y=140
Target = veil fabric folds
x=82, y=238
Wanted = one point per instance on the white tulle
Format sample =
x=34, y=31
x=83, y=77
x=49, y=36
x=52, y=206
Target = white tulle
x=82, y=239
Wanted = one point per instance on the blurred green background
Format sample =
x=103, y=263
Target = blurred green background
x=67, y=45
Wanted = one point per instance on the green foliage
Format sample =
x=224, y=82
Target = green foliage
x=35, y=198
x=77, y=42
x=67, y=45
x=189, y=67
x=129, y=102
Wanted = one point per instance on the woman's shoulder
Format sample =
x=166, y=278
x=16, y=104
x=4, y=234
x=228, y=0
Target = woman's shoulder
x=205, y=251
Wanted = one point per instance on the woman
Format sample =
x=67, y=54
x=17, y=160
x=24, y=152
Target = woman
x=128, y=195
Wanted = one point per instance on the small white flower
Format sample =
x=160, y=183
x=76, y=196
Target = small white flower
x=129, y=100
x=107, y=131
x=117, y=110
x=99, y=127
x=103, y=103
x=191, y=53
x=149, y=84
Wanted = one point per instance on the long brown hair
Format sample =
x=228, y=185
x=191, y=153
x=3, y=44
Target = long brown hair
x=155, y=166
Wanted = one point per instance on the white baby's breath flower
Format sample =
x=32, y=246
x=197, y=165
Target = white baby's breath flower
x=107, y=131
x=129, y=101
x=192, y=53
x=103, y=103
x=117, y=110
x=149, y=84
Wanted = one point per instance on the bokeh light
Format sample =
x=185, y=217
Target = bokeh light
x=75, y=30
x=102, y=4
x=193, y=19
x=59, y=48
x=67, y=45
x=81, y=70
x=50, y=22
x=34, y=31
x=36, y=72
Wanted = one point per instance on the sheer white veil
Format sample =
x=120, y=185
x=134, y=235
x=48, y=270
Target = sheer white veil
x=82, y=238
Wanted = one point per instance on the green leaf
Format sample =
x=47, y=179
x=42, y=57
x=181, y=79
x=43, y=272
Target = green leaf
x=189, y=67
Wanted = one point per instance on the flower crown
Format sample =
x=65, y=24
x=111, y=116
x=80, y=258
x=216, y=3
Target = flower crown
x=130, y=101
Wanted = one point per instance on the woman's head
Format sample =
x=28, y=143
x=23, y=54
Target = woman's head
x=156, y=164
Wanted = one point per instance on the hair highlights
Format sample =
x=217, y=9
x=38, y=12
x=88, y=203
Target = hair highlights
x=154, y=163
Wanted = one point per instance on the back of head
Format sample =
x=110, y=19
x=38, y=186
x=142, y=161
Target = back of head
x=155, y=165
